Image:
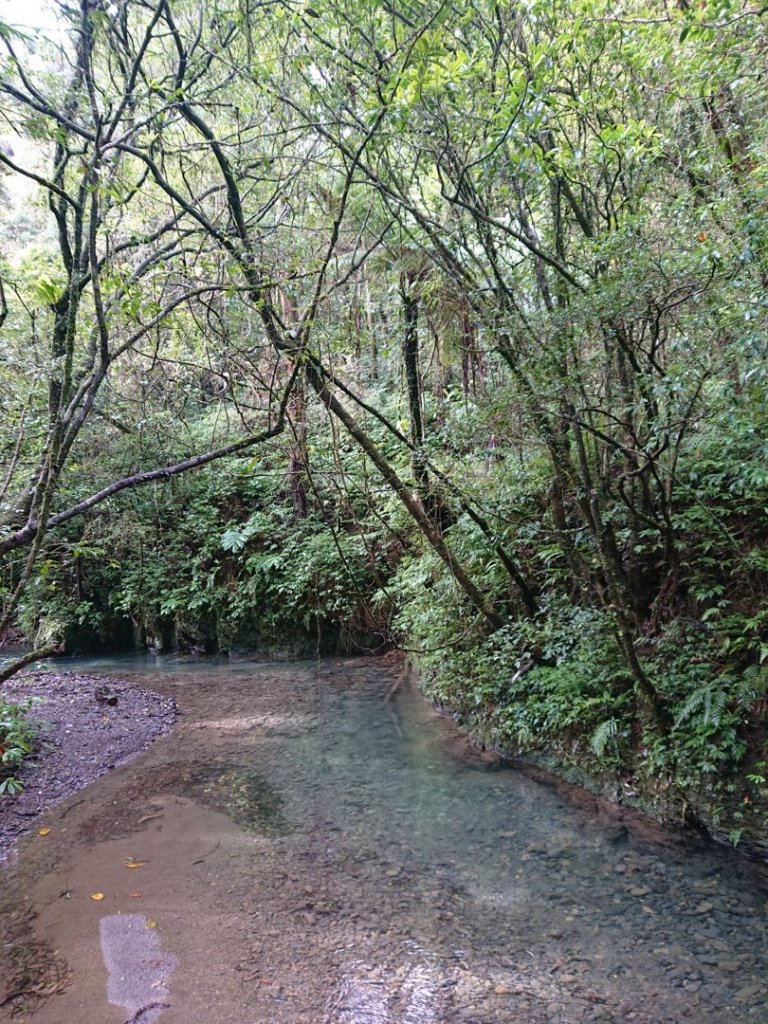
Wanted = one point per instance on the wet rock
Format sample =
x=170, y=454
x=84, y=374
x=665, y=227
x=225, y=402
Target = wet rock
x=709, y=959
x=748, y=993
x=616, y=834
x=105, y=695
x=704, y=908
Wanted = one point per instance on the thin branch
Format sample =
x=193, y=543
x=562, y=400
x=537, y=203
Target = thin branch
x=29, y=530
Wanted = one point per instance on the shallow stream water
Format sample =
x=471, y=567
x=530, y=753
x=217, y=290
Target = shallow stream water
x=309, y=847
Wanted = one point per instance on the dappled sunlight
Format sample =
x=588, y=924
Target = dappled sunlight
x=138, y=968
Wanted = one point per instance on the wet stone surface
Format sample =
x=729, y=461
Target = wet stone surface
x=311, y=853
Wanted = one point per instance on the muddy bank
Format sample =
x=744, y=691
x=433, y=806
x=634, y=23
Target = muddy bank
x=88, y=726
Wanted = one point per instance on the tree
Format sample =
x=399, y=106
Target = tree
x=570, y=191
x=537, y=169
x=160, y=135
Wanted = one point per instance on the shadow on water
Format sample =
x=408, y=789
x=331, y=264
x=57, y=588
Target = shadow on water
x=372, y=869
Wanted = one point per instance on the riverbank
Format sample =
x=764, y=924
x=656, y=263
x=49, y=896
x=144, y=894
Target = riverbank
x=726, y=815
x=88, y=726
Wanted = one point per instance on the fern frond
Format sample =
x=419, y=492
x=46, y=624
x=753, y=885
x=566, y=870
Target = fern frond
x=602, y=736
x=705, y=704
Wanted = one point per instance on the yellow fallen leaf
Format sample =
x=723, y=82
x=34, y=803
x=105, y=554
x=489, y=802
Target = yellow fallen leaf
x=151, y=924
x=97, y=895
x=131, y=863
x=43, y=831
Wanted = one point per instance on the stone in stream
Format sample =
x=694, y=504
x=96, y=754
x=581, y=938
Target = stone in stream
x=747, y=993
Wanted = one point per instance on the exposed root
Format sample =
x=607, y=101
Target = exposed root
x=136, y=1018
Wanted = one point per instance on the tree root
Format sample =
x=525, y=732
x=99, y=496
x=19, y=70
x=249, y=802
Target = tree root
x=135, y=1019
x=396, y=685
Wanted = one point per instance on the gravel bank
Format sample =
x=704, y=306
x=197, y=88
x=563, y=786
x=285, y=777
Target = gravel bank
x=88, y=725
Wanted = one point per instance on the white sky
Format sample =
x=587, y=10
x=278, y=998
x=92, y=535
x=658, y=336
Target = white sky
x=26, y=14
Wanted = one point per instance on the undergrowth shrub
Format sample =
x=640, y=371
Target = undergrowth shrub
x=17, y=741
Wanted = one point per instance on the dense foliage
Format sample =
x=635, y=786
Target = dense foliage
x=332, y=326
x=17, y=741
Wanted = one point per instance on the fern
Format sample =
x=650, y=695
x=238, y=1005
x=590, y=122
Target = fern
x=706, y=704
x=603, y=735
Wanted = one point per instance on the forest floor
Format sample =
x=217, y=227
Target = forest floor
x=88, y=726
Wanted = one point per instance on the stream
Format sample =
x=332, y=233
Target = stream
x=308, y=847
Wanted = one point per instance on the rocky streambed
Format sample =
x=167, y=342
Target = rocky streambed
x=308, y=847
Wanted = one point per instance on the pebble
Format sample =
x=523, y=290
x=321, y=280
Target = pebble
x=748, y=992
x=639, y=890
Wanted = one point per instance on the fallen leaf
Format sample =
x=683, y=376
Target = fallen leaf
x=135, y=895
x=43, y=831
x=151, y=924
x=131, y=863
x=97, y=895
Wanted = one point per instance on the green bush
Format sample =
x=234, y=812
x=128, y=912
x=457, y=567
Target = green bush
x=17, y=740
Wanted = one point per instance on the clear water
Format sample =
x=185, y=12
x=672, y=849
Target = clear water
x=365, y=867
